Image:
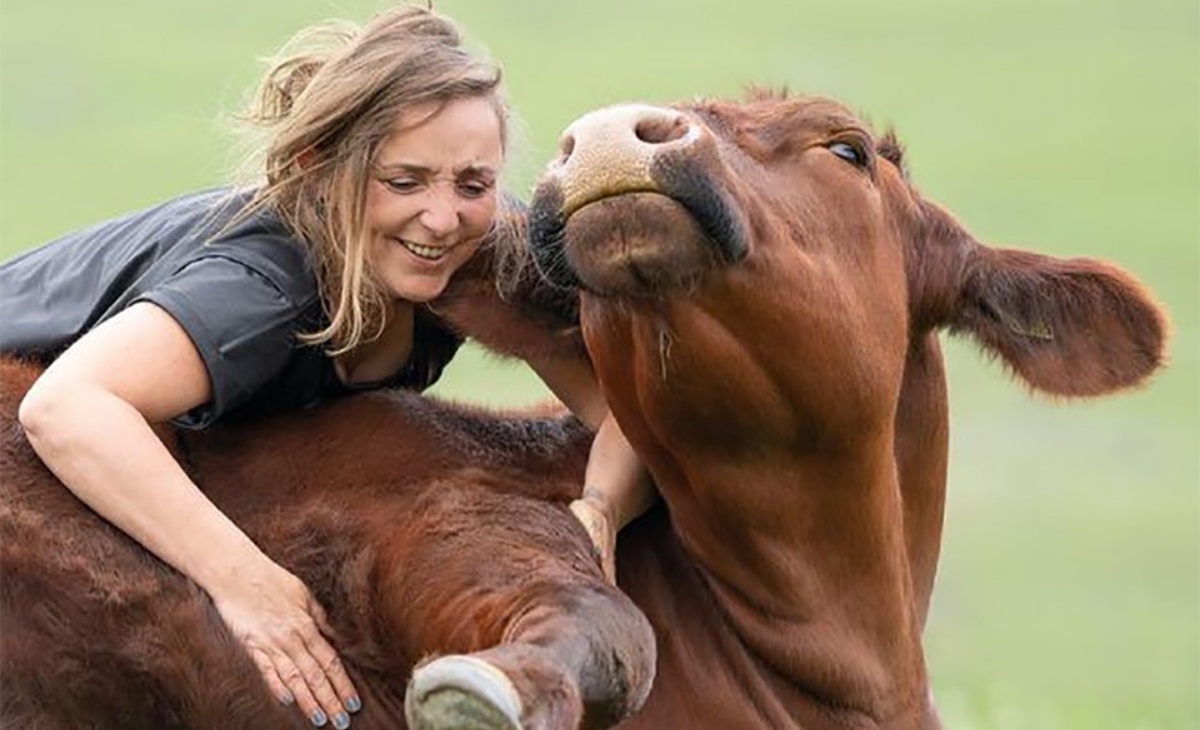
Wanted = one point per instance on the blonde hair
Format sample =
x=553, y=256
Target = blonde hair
x=329, y=101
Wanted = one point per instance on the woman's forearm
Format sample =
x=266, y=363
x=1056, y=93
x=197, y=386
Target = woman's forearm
x=616, y=484
x=616, y=479
x=104, y=451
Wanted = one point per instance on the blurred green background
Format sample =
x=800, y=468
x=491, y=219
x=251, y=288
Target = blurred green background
x=1069, y=593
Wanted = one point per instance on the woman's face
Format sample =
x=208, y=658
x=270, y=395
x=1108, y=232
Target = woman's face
x=432, y=195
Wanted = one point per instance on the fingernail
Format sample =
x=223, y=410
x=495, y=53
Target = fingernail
x=319, y=718
x=354, y=704
x=341, y=721
x=288, y=698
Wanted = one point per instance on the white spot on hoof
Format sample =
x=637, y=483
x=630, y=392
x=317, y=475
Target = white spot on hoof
x=460, y=692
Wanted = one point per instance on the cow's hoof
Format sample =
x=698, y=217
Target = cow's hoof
x=461, y=693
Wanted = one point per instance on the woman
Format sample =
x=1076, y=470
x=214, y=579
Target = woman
x=381, y=164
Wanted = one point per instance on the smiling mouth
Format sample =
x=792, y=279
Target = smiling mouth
x=428, y=253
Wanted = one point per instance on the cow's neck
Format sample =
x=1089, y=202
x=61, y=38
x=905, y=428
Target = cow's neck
x=809, y=570
x=802, y=548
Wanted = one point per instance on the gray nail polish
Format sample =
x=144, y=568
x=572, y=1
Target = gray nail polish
x=341, y=721
x=288, y=698
x=319, y=718
x=354, y=704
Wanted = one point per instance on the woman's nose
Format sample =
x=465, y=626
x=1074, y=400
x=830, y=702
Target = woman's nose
x=440, y=215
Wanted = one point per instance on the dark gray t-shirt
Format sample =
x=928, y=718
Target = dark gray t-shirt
x=242, y=293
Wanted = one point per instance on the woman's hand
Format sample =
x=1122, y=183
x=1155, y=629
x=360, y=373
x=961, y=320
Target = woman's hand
x=283, y=629
x=593, y=512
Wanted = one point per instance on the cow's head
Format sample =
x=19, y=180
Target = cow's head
x=779, y=243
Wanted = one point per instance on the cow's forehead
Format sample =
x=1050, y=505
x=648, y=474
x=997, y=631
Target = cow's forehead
x=811, y=114
x=780, y=115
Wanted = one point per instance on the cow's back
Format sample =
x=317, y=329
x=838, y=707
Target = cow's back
x=90, y=617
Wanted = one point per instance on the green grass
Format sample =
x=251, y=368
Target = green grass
x=1069, y=594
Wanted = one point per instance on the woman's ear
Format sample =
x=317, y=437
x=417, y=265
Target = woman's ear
x=307, y=158
x=1070, y=327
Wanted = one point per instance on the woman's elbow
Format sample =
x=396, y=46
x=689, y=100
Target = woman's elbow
x=46, y=411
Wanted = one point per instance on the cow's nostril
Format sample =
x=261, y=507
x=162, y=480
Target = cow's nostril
x=661, y=128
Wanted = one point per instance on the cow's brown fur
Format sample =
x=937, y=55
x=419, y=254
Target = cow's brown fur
x=423, y=527
x=784, y=384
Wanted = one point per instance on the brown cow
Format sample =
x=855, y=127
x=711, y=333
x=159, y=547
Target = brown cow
x=761, y=292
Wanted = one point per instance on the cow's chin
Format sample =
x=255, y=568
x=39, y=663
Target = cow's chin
x=636, y=245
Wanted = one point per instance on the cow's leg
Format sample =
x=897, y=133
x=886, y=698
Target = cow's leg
x=582, y=656
x=524, y=631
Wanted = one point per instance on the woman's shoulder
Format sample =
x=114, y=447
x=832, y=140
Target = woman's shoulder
x=222, y=260
x=255, y=238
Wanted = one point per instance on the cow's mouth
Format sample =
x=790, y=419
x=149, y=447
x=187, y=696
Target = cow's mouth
x=634, y=244
x=637, y=243
x=638, y=210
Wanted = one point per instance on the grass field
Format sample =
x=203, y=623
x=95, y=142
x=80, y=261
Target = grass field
x=1069, y=594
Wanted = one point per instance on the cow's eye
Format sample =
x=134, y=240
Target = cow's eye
x=850, y=153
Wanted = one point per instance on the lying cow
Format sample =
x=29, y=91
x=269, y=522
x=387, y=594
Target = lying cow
x=760, y=292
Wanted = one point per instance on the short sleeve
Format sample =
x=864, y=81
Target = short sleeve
x=240, y=321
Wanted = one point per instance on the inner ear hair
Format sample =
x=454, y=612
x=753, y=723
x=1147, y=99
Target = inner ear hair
x=1035, y=328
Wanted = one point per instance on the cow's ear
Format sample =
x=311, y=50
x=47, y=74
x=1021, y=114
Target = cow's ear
x=1071, y=327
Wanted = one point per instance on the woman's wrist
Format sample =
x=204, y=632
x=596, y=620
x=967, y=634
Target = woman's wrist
x=600, y=501
x=238, y=565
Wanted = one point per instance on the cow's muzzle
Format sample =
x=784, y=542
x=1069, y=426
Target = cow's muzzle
x=634, y=202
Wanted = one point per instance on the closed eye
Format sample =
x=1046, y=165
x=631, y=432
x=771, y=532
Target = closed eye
x=475, y=188
x=402, y=185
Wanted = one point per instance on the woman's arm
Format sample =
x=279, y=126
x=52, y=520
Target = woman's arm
x=617, y=487
x=616, y=490
x=88, y=419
